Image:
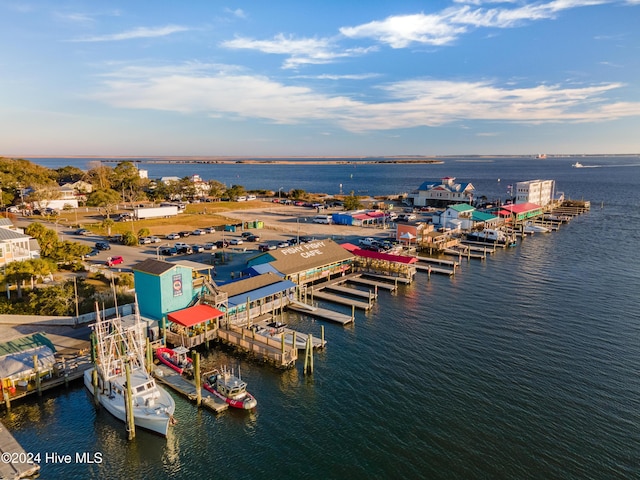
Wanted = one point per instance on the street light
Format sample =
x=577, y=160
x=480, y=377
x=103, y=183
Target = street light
x=158, y=250
x=279, y=190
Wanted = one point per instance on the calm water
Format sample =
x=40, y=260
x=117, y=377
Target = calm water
x=526, y=365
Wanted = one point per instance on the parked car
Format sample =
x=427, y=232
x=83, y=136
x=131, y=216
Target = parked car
x=253, y=238
x=184, y=250
x=305, y=239
x=197, y=248
x=173, y=236
x=210, y=246
x=185, y=233
x=222, y=244
x=168, y=251
x=210, y=229
x=93, y=253
x=103, y=246
x=368, y=242
x=144, y=241
x=236, y=241
x=246, y=234
x=198, y=232
x=154, y=239
x=283, y=244
x=111, y=261
x=82, y=231
x=265, y=247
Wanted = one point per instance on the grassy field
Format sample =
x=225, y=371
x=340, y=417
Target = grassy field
x=198, y=215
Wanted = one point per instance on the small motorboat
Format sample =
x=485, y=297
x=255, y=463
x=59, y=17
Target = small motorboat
x=226, y=386
x=577, y=165
x=176, y=359
x=531, y=227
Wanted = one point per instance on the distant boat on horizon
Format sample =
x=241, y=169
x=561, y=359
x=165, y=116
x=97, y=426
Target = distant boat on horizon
x=577, y=165
x=542, y=155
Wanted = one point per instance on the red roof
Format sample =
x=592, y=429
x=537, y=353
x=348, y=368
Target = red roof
x=193, y=315
x=361, y=216
x=349, y=247
x=521, y=207
x=376, y=214
x=384, y=256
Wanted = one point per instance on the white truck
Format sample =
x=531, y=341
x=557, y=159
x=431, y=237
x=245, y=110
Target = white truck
x=368, y=242
x=155, y=212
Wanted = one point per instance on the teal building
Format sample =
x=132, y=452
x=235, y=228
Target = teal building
x=162, y=287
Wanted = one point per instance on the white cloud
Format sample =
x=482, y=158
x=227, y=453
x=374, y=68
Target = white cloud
x=448, y=25
x=299, y=50
x=226, y=91
x=238, y=12
x=140, y=32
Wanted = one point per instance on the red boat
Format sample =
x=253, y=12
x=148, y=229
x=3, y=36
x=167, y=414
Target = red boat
x=176, y=359
x=226, y=386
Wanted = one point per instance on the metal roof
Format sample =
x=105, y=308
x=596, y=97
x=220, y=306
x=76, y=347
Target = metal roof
x=307, y=256
x=263, y=292
x=153, y=267
x=188, y=317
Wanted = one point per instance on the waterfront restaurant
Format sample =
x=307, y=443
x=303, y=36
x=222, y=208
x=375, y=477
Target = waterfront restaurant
x=520, y=212
x=255, y=296
x=307, y=262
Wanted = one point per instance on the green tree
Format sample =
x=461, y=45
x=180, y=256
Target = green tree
x=107, y=224
x=216, y=189
x=130, y=239
x=69, y=253
x=297, y=194
x=46, y=237
x=99, y=175
x=69, y=174
x=106, y=200
x=17, y=273
x=235, y=191
x=352, y=202
x=54, y=300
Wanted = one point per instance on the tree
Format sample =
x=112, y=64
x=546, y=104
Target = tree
x=107, y=223
x=18, y=273
x=129, y=239
x=297, y=194
x=99, y=175
x=46, y=237
x=144, y=232
x=42, y=194
x=235, y=191
x=54, y=300
x=216, y=188
x=106, y=201
x=69, y=252
x=352, y=202
x=69, y=174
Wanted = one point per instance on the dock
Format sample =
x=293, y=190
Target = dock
x=329, y=297
x=277, y=333
x=351, y=291
x=431, y=269
x=436, y=265
x=186, y=388
x=322, y=313
x=9, y=448
x=70, y=369
x=359, y=280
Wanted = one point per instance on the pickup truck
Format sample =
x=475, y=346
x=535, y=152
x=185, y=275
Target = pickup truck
x=368, y=242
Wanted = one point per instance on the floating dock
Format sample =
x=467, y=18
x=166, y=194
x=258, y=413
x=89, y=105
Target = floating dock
x=359, y=280
x=180, y=384
x=351, y=291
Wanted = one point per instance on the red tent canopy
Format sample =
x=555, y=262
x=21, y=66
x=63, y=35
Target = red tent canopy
x=194, y=315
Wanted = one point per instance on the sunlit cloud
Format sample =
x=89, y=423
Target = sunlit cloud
x=226, y=91
x=238, y=12
x=300, y=51
x=446, y=26
x=140, y=32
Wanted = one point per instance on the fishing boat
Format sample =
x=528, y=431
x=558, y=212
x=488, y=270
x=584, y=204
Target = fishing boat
x=531, y=227
x=176, y=359
x=577, y=165
x=490, y=235
x=226, y=386
x=120, y=344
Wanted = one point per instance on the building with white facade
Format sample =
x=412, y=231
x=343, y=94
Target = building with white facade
x=441, y=192
x=539, y=192
x=15, y=245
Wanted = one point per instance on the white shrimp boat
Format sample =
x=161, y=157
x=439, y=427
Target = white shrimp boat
x=121, y=341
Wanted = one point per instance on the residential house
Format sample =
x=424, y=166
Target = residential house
x=440, y=193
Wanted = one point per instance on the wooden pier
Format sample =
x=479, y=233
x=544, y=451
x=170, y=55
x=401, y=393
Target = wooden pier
x=436, y=265
x=275, y=333
x=186, y=388
x=10, y=449
x=272, y=350
x=359, y=280
x=323, y=314
x=351, y=291
x=340, y=300
x=70, y=369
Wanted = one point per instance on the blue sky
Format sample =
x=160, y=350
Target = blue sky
x=330, y=78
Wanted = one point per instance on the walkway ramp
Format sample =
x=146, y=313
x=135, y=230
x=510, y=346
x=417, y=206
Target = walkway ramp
x=323, y=314
x=350, y=291
x=341, y=300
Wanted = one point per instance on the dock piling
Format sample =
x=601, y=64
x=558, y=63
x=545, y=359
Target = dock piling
x=196, y=377
x=131, y=425
x=36, y=369
x=308, y=355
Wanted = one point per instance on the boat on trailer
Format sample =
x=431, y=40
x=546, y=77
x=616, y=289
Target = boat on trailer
x=121, y=342
x=224, y=384
x=176, y=359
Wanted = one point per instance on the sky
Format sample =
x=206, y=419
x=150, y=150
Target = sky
x=330, y=78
